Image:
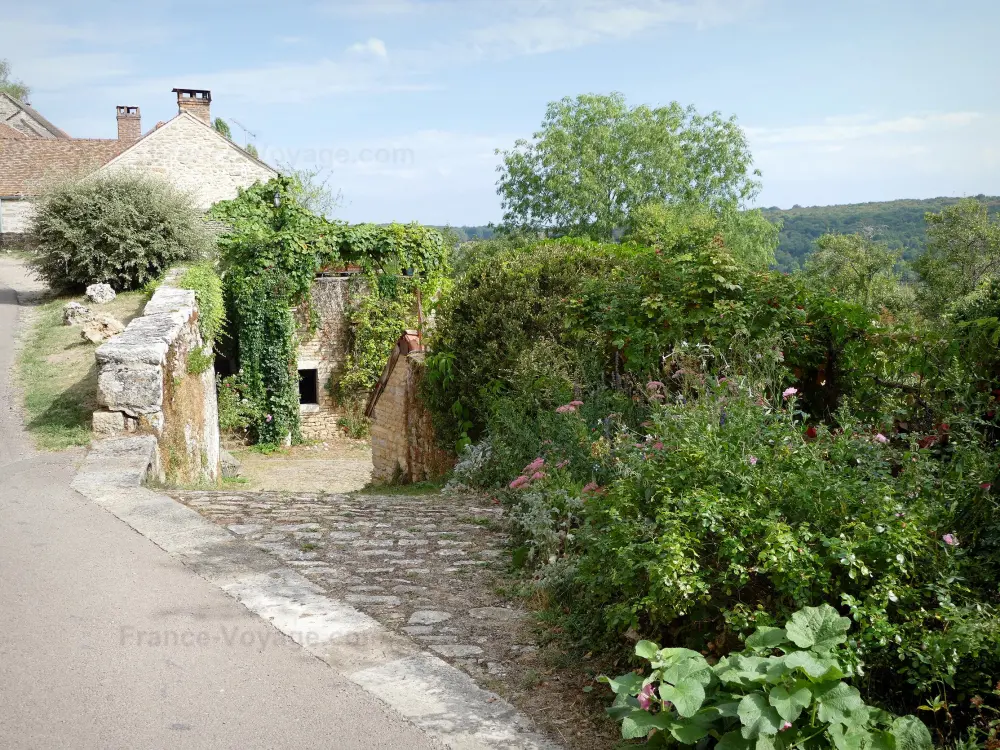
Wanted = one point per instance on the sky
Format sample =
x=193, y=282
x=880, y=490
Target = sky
x=401, y=104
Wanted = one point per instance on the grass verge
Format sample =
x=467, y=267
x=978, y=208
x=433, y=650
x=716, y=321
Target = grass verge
x=57, y=372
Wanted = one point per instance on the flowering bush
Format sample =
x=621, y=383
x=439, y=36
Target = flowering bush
x=785, y=689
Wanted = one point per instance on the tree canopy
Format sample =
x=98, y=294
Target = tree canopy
x=596, y=159
x=18, y=89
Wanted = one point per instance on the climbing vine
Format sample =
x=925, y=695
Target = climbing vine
x=271, y=255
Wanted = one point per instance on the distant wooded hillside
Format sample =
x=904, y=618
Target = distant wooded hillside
x=901, y=224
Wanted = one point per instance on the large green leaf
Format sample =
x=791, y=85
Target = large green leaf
x=766, y=638
x=646, y=649
x=687, y=695
x=680, y=663
x=911, y=734
x=744, y=671
x=757, y=716
x=626, y=684
x=838, y=703
x=639, y=723
x=687, y=732
x=817, y=628
x=789, y=703
x=734, y=741
x=816, y=666
x=853, y=738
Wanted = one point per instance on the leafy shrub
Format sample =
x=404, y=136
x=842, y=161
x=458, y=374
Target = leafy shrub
x=207, y=287
x=759, y=698
x=123, y=229
x=352, y=419
x=730, y=512
x=236, y=411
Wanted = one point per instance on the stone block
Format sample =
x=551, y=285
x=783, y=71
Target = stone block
x=108, y=422
x=100, y=328
x=74, y=314
x=100, y=294
x=135, y=389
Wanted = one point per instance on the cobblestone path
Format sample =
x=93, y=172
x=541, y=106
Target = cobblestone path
x=426, y=565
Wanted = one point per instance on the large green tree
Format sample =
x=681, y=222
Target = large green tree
x=963, y=252
x=595, y=159
x=749, y=236
x=859, y=268
x=18, y=89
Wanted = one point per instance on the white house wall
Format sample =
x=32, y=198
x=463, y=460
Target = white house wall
x=15, y=215
x=195, y=159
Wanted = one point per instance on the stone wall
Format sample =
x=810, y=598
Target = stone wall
x=194, y=158
x=145, y=386
x=325, y=350
x=404, y=446
x=15, y=215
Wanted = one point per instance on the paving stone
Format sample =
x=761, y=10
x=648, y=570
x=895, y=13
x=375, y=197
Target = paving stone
x=428, y=617
x=245, y=528
x=418, y=629
x=416, y=564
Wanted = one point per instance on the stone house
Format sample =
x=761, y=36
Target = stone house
x=186, y=151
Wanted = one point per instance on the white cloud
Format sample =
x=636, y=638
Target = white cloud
x=374, y=47
x=538, y=27
x=861, y=157
x=839, y=129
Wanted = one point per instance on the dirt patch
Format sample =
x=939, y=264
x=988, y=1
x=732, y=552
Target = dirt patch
x=341, y=465
x=435, y=568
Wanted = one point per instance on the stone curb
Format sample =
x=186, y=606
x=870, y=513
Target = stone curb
x=440, y=699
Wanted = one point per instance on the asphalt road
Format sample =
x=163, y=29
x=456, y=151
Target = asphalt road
x=108, y=642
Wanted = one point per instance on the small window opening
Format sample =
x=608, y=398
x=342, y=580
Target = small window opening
x=308, y=387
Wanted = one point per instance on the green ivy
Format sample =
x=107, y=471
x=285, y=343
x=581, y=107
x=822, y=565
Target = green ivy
x=271, y=256
x=207, y=287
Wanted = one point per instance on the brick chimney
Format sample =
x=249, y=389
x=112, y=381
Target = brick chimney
x=195, y=101
x=129, y=124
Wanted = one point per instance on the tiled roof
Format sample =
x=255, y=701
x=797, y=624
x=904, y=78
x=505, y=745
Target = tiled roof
x=26, y=166
x=9, y=133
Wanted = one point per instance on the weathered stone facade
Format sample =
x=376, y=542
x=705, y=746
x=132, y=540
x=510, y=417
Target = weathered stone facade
x=404, y=446
x=15, y=215
x=325, y=351
x=145, y=385
x=194, y=158
x=25, y=120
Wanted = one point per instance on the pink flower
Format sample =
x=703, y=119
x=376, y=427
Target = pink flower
x=882, y=438
x=565, y=409
x=654, y=385
x=786, y=726
x=657, y=446
x=269, y=417
x=789, y=392
x=534, y=466
x=519, y=482
x=593, y=487
x=752, y=460
x=577, y=404
x=538, y=475
x=645, y=697
x=985, y=486
x=950, y=540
